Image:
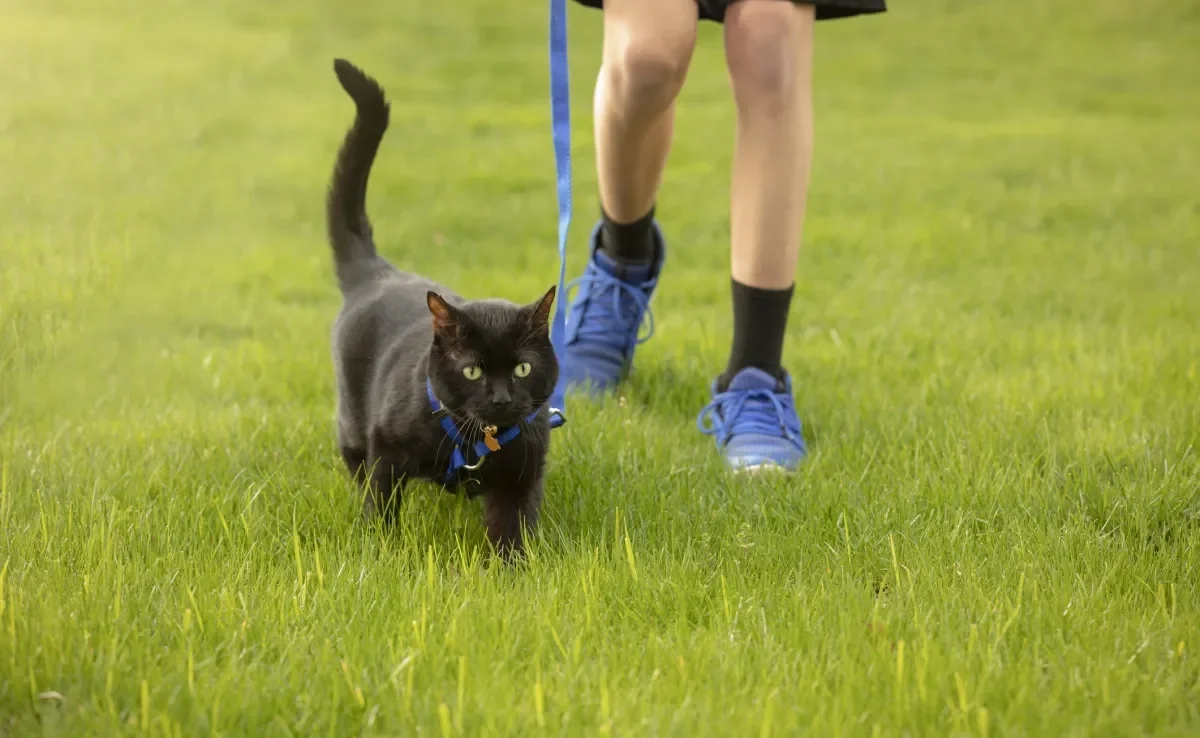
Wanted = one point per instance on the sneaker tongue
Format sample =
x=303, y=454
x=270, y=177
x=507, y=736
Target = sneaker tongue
x=752, y=378
x=631, y=273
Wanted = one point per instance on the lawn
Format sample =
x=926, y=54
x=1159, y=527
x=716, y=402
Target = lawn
x=995, y=343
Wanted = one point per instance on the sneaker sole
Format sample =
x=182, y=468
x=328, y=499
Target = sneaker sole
x=764, y=468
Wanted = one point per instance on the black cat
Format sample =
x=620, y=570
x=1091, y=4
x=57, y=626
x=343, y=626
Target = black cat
x=431, y=385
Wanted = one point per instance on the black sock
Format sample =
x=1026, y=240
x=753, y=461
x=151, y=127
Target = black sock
x=628, y=243
x=759, y=323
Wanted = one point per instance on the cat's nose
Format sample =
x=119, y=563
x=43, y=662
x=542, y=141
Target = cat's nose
x=501, y=398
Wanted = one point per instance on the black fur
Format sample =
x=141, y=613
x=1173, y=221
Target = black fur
x=397, y=329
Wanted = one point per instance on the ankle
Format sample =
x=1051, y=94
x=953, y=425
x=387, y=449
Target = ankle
x=759, y=327
x=631, y=243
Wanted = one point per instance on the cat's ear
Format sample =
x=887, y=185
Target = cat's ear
x=445, y=318
x=539, y=316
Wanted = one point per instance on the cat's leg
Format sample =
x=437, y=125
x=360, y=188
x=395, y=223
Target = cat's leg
x=508, y=514
x=351, y=442
x=384, y=490
x=356, y=462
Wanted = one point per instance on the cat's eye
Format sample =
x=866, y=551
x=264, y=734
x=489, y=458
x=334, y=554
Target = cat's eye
x=522, y=370
x=472, y=372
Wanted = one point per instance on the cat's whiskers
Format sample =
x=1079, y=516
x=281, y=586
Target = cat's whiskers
x=476, y=432
x=527, y=429
x=445, y=437
x=541, y=435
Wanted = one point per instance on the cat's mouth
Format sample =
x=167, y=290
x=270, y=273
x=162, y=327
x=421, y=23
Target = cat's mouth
x=499, y=420
x=490, y=423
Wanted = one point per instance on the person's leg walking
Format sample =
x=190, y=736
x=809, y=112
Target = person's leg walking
x=647, y=48
x=769, y=52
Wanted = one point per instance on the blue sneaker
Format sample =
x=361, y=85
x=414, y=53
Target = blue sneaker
x=755, y=422
x=605, y=318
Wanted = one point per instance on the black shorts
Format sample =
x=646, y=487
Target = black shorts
x=714, y=10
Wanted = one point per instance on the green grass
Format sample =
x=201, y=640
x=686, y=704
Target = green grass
x=995, y=341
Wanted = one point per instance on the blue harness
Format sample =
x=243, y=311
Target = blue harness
x=458, y=458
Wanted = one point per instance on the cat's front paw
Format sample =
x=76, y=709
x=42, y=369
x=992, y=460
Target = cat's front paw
x=508, y=522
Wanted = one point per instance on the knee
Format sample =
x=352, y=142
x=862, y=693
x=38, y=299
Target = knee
x=767, y=52
x=645, y=75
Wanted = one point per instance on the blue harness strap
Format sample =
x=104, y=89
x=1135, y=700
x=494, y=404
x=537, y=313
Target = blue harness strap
x=560, y=118
x=458, y=457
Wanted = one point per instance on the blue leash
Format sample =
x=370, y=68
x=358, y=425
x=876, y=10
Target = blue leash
x=560, y=108
x=458, y=457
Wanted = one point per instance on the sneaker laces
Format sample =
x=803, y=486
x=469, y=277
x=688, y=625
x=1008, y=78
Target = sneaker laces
x=759, y=411
x=614, y=304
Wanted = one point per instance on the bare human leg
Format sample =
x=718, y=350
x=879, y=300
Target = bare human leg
x=769, y=53
x=647, y=49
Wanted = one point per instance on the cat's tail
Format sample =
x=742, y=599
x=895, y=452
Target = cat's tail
x=346, y=211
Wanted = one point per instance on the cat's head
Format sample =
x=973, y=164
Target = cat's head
x=491, y=360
